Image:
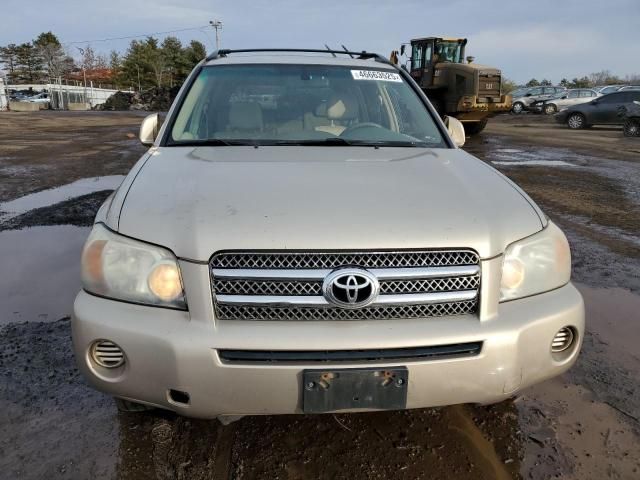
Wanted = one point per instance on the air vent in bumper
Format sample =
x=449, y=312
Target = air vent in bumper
x=390, y=354
x=107, y=354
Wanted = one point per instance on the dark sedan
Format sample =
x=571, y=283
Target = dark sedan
x=603, y=110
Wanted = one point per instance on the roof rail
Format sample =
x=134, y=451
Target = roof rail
x=360, y=55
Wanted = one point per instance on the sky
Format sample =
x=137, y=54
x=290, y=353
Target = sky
x=534, y=38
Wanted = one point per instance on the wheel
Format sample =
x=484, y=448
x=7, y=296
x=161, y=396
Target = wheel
x=473, y=128
x=631, y=128
x=576, y=121
x=517, y=108
x=131, y=407
x=550, y=109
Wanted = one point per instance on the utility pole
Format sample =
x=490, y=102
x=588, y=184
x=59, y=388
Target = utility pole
x=217, y=25
x=84, y=74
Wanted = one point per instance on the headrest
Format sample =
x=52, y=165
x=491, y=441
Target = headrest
x=245, y=116
x=342, y=107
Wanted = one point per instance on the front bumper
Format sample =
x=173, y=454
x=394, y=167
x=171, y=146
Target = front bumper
x=469, y=108
x=169, y=349
x=561, y=116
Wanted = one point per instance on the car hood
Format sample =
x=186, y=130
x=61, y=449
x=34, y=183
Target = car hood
x=197, y=201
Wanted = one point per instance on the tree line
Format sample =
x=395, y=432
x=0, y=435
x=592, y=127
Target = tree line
x=146, y=63
x=604, y=77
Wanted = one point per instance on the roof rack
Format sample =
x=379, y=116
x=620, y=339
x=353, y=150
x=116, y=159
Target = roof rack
x=360, y=55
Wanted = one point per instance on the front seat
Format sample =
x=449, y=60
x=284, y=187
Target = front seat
x=341, y=108
x=245, y=118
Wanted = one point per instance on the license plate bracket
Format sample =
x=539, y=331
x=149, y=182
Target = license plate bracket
x=355, y=388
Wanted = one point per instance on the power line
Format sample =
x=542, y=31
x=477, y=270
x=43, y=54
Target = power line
x=136, y=36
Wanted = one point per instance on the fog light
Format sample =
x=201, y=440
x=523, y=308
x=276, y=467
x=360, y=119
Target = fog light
x=563, y=340
x=107, y=354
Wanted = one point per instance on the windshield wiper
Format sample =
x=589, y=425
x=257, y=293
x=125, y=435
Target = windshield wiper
x=390, y=143
x=330, y=141
x=213, y=142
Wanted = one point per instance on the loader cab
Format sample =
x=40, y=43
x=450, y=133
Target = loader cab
x=427, y=52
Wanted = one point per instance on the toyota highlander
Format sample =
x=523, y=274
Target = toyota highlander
x=304, y=235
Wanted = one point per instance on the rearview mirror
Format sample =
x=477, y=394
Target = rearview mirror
x=149, y=129
x=456, y=130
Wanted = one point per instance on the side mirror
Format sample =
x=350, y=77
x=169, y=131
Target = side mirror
x=595, y=102
x=402, y=49
x=456, y=130
x=527, y=94
x=149, y=129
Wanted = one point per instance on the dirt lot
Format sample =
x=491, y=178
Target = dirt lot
x=584, y=425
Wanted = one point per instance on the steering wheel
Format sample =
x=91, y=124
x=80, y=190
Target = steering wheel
x=358, y=126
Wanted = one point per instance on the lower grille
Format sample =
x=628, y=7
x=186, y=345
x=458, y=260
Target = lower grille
x=269, y=313
x=389, y=354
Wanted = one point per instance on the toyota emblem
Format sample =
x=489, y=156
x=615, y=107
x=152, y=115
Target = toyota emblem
x=351, y=288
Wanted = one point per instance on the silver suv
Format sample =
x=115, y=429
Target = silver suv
x=305, y=236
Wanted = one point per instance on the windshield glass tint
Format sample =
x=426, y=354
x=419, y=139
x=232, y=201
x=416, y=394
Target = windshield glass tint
x=303, y=104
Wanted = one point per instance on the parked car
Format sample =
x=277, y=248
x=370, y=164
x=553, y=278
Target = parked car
x=606, y=89
x=336, y=252
x=631, y=126
x=599, y=111
x=562, y=100
x=519, y=92
x=18, y=97
x=522, y=103
x=39, y=98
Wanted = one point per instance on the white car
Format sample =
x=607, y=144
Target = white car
x=329, y=249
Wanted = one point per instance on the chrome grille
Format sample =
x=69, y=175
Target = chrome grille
x=287, y=260
x=289, y=286
x=267, y=287
x=275, y=287
x=249, y=312
x=430, y=285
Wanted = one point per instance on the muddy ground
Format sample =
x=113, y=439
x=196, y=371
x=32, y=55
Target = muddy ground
x=55, y=169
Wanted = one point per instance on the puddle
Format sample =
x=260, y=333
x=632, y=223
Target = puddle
x=508, y=150
x=40, y=272
x=48, y=197
x=540, y=163
x=584, y=424
x=613, y=314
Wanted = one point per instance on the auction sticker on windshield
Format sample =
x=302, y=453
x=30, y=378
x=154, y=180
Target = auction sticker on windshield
x=376, y=75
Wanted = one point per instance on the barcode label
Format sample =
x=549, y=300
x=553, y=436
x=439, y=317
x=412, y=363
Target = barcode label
x=376, y=75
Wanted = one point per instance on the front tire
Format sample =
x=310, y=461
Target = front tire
x=474, y=128
x=576, y=121
x=517, y=108
x=631, y=128
x=550, y=109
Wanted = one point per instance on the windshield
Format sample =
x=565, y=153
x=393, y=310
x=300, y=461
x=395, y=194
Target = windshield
x=449, y=51
x=302, y=105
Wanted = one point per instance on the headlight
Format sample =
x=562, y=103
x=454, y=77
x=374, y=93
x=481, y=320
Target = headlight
x=536, y=264
x=124, y=269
